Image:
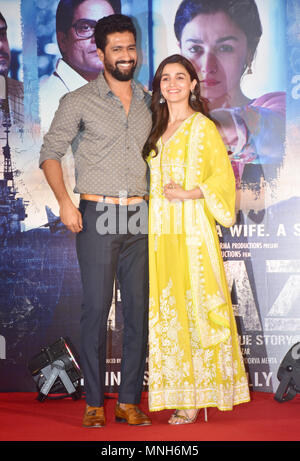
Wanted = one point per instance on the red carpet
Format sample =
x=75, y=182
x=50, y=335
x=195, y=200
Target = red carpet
x=23, y=418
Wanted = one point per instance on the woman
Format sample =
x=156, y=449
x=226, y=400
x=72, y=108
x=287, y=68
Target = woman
x=194, y=356
x=220, y=38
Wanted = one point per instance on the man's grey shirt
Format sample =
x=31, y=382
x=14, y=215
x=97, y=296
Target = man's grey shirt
x=107, y=144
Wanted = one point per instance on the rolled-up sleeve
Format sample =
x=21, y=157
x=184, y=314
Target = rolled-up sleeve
x=63, y=130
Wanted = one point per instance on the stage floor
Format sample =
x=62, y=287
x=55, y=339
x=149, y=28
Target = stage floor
x=23, y=418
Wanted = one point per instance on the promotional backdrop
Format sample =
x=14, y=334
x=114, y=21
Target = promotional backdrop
x=40, y=295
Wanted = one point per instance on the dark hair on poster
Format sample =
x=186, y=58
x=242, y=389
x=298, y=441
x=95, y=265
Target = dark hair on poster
x=3, y=19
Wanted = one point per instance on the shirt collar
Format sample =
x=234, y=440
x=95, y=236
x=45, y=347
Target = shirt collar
x=69, y=76
x=105, y=90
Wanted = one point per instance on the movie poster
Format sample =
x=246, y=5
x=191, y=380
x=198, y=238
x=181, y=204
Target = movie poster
x=253, y=93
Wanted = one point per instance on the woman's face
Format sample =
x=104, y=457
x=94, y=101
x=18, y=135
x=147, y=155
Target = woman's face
x=175, y=83
x=218, y=50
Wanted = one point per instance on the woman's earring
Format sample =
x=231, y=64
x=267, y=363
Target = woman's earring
x=193, y=96
x=162, y=100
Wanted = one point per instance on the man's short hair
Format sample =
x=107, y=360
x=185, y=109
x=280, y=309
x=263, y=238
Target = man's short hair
x=66, y=8
x=110, y=25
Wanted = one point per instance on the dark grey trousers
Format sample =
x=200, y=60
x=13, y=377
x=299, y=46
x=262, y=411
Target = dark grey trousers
x=101, y=258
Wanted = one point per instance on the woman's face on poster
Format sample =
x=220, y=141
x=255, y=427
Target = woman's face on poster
x=218, y=49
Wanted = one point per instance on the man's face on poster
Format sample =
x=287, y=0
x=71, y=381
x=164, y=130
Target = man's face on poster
x=4, y=50
x=79, y=52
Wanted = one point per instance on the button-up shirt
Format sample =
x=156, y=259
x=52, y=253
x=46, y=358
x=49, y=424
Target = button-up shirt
x=106, y=143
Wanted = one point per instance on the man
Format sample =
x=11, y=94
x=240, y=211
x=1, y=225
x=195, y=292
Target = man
x=13, y=89
x=75, y=24
x=109, y=120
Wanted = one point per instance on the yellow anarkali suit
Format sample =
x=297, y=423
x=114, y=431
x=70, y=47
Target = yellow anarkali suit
x=194, y=354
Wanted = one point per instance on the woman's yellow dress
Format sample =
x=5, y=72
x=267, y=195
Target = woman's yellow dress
x=194, y=354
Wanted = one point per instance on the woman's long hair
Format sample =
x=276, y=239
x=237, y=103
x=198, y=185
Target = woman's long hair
x=160, y=112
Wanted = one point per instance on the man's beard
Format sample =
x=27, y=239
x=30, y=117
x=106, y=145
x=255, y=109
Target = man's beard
x=118, y=74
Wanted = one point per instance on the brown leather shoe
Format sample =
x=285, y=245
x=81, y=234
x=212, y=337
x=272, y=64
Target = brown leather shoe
x=131, y=414
x=93, y=417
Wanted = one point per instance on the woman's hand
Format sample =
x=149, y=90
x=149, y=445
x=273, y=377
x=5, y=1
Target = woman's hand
x=173, y=191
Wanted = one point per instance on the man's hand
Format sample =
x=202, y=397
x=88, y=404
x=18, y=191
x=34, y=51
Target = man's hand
x=71, y=216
